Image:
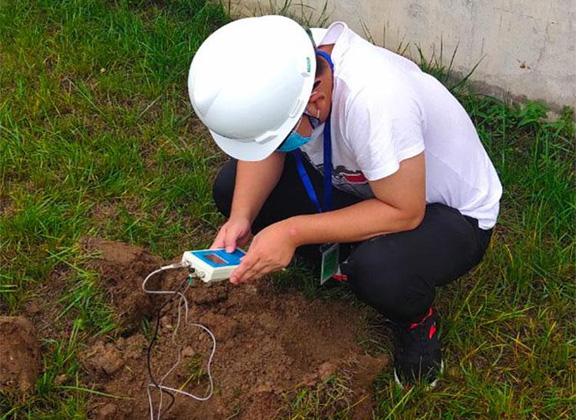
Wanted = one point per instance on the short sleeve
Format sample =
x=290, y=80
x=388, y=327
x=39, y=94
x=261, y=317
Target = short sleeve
x=383, y=127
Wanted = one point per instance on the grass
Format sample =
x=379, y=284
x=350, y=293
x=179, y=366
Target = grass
x=328, y=399
x=196, y=371
x=97, y=138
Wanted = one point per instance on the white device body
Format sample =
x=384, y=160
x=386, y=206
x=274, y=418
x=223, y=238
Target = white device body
x=213, y=264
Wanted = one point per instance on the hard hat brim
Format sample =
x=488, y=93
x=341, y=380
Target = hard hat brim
x=249, y=151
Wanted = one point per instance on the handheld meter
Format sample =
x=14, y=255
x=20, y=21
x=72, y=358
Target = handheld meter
x=213, y=264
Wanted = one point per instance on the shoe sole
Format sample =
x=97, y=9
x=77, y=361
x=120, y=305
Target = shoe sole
x=430, y=386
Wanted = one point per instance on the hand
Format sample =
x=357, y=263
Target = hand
x=271, y=250
x=234, y=233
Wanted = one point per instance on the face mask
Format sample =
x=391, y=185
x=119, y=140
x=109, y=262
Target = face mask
x=293, y=142
x=296, y=140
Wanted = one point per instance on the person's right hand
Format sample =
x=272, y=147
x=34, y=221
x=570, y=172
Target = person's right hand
x=234, y=233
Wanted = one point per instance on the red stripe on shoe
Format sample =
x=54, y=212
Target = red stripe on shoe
x=432, y=331
x=428, y=315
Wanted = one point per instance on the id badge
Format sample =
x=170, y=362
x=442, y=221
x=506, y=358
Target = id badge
x=330, y=254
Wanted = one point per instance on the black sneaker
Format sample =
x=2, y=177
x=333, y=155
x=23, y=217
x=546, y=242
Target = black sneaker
x=417, y=357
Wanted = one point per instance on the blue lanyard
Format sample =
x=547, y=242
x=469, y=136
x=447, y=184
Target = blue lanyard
x=327, y=172
x=327, y=159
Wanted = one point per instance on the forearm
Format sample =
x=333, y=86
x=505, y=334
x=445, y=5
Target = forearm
x=254, y=183
x=359, y=222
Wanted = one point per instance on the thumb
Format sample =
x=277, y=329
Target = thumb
x=230, y=243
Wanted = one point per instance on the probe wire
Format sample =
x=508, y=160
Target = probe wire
x=182, y=303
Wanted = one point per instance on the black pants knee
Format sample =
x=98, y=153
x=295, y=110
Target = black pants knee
x=397, y=273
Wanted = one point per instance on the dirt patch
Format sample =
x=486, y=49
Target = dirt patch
x=20, y=362
x=5, y=204
x=122, y=268
x=270, y=345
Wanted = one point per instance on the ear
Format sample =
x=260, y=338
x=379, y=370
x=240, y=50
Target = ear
x=317, y=103
x=321, y=98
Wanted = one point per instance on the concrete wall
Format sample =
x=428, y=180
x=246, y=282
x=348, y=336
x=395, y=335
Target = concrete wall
x=526, y=48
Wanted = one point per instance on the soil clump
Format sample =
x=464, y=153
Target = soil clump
x=122, y=268
x=20, y=361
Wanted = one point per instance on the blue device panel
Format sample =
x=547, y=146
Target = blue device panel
x=219, y=257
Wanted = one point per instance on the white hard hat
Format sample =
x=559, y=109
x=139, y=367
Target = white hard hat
x=250, y=82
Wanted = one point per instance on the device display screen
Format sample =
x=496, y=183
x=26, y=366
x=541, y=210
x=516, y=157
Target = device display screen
x=215, y=259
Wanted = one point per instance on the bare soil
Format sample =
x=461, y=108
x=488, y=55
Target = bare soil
x=271, y=344
x=20, y=361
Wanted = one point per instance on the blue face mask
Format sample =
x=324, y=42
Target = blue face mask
x=296, y=140
x=293, y=142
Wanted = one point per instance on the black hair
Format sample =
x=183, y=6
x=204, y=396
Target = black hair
x=321, y=66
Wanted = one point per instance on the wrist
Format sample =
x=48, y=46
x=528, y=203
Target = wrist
x=240, y=215
x=291, y=231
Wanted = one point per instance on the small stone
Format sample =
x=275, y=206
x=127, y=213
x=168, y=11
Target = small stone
x=106, y=412
x=104, y=358
x=60, y=379
x=121, y=344
x=326, y=370
x=188, y=352
x=32, y=308
x=166, y=323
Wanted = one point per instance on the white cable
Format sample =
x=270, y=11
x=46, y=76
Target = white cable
x=181, y=302
x=153, y=273
x=179, y=348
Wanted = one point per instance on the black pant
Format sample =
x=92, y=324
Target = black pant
x=395, y=273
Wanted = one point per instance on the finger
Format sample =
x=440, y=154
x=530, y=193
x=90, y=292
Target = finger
x=256, y=272
x=219, y=241
x=254, y=275
x=249, y=275
x=246, y=270
x=238, y=274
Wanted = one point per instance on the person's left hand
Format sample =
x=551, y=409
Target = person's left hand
x=271, y=250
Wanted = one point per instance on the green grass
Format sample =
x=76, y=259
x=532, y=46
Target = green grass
x=97, y=138
x=327, y=399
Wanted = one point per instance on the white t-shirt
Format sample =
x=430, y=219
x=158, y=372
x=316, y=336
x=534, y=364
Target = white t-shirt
x=386, y=110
